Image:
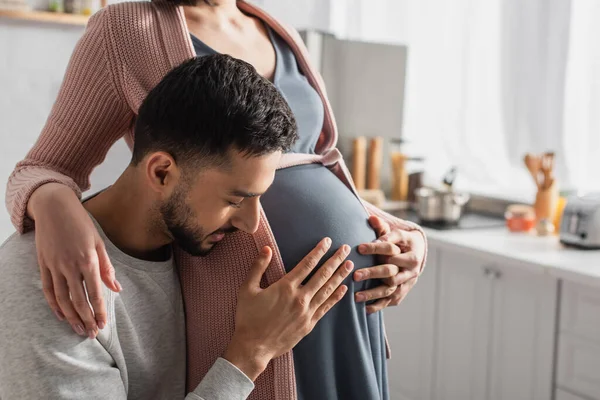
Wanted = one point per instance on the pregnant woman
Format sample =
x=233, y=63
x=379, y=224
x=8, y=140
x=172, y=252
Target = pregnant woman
x=125, y=51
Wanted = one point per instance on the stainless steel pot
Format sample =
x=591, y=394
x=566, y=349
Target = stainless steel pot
x=438, y=206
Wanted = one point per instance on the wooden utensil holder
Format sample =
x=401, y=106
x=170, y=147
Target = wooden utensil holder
x=399, y=176
x=546, y=201
x=359, y=162
x=374, y=163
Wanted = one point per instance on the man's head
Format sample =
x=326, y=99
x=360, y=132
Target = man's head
x=208, y=139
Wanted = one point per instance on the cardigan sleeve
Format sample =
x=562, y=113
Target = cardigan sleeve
x=88, y=117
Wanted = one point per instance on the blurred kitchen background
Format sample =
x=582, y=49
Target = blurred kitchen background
x=477, y=118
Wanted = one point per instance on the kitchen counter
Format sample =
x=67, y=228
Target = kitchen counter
x=538, y=254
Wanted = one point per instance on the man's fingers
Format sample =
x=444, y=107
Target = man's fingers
x=308, y=263
x=378, y=305
x=325, y=292
x=93, y=287
x=258, y=268
x=379, y=225
x=326, y=271
x=377, y=272
x=107, y=272
x=379, y=248
x=48, y=289
x=61, y=289
x=337, y=295
x=379, y=292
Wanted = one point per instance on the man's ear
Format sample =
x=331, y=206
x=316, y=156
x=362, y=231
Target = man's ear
x=162, y=173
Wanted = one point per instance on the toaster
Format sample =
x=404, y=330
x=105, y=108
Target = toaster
x=580, y=224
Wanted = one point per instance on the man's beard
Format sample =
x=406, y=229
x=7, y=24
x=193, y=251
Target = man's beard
x=178, y=217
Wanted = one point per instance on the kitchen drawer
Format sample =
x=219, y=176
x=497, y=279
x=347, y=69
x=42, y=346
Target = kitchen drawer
x=562, y=395
x=579, y=365
x=580, y=311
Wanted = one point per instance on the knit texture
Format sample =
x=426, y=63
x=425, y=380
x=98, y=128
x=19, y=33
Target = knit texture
x=125, y=51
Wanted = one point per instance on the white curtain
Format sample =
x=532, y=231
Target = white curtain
x=489, y=80
x=581, y=124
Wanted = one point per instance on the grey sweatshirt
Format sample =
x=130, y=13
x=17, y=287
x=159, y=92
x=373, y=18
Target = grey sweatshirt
x=141, y=354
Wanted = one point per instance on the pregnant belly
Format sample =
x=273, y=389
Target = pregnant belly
x=344, y=356
x=307, y=203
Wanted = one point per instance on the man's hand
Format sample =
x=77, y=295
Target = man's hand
x=401, y=254
x=270, y=322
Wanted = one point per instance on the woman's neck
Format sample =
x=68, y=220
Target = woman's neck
x=217, y=3
x=217, y=13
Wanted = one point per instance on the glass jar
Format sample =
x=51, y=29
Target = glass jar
x=520, y=218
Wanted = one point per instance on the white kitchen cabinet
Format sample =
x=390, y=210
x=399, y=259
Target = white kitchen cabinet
x=579, y=341
x=463, y=328
x=410, y=330
x=563, y=395
x=522, y=334
x=495, y=331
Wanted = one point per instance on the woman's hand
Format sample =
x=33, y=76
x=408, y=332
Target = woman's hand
x=270, y=322
x=401, y=254
x=71, y=253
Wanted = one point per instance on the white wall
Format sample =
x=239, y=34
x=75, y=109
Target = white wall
x=32, y=63
x=365, y=84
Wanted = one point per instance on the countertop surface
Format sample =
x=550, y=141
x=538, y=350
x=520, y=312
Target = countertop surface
x=541, y=254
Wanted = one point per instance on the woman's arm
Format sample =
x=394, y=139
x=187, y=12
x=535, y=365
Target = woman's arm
x=88, y=117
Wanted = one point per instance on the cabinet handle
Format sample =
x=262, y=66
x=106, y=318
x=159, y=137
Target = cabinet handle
x=492, y=273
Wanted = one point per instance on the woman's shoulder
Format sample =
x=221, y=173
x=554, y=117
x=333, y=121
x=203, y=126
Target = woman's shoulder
x=134, y=17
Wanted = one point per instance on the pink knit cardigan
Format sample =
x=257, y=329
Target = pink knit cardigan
x=125, y=51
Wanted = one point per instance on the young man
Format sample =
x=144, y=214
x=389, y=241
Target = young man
x=213, y=130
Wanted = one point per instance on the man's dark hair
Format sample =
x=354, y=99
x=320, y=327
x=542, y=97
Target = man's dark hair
x=211, y=104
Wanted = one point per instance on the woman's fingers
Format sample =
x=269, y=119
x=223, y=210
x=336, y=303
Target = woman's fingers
x=48, y=289
x=377, y=272
x=63, y=298
x=379, y=292
x=395, y=298
x=308, y=263
x=379, y=248
x=401, y=277
x=409, y=260
x=107, y=272
x=93, y=286
x=321, y=278
x=378, y=305
x=81, y=304
x=331, y=286
x=379, y=225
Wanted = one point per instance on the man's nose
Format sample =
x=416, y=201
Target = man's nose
x=248, y=217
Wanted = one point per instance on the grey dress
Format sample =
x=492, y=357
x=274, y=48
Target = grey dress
x=344, y=357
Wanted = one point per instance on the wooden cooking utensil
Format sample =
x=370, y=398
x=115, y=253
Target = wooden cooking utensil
x=533, y=164
x=547, y=169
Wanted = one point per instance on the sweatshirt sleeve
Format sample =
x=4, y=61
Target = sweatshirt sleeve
x=224, y=381
x=41, y=357
x=88, y=117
